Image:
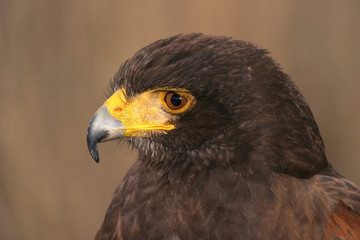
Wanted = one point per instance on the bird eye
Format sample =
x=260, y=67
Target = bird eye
x=175, y=101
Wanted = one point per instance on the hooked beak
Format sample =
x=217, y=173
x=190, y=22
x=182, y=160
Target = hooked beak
x=122, y=117
x=102, y=127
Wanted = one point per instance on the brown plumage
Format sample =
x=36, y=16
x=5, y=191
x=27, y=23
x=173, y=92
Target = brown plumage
x=343, y=223
x=238, y=156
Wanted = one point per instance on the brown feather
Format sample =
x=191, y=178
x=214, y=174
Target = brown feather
x=343, y=223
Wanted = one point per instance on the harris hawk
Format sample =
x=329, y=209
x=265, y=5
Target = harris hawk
x=227, y=149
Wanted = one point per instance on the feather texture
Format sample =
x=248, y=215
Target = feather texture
x=246, y=162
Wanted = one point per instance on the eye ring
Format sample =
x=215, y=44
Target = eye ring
x=175, y=101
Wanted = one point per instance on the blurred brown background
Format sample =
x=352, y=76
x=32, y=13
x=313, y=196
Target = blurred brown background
x=56, y=58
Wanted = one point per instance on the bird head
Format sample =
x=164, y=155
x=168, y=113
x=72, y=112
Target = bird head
x=206, y=101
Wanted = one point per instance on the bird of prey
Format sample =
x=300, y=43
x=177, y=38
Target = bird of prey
x=227, y=148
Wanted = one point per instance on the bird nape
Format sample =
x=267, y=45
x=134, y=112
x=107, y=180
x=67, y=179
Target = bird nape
x=227, y=149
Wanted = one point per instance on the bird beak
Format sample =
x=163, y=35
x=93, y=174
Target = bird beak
x=122, y=117
x=102, y=127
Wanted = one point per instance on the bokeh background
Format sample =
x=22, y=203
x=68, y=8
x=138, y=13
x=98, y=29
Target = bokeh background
x=57, y=57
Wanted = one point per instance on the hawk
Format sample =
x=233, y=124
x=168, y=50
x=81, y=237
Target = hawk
x=227, y=148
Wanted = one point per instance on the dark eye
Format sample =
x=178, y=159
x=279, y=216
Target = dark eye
x=175, y=101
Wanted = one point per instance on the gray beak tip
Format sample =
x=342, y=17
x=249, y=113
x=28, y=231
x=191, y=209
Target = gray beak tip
x=94, y=151
x=94, y=136
x=92, y=140
x=102, y=127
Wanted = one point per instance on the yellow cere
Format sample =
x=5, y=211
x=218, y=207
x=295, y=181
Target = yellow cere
x=146, y=111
